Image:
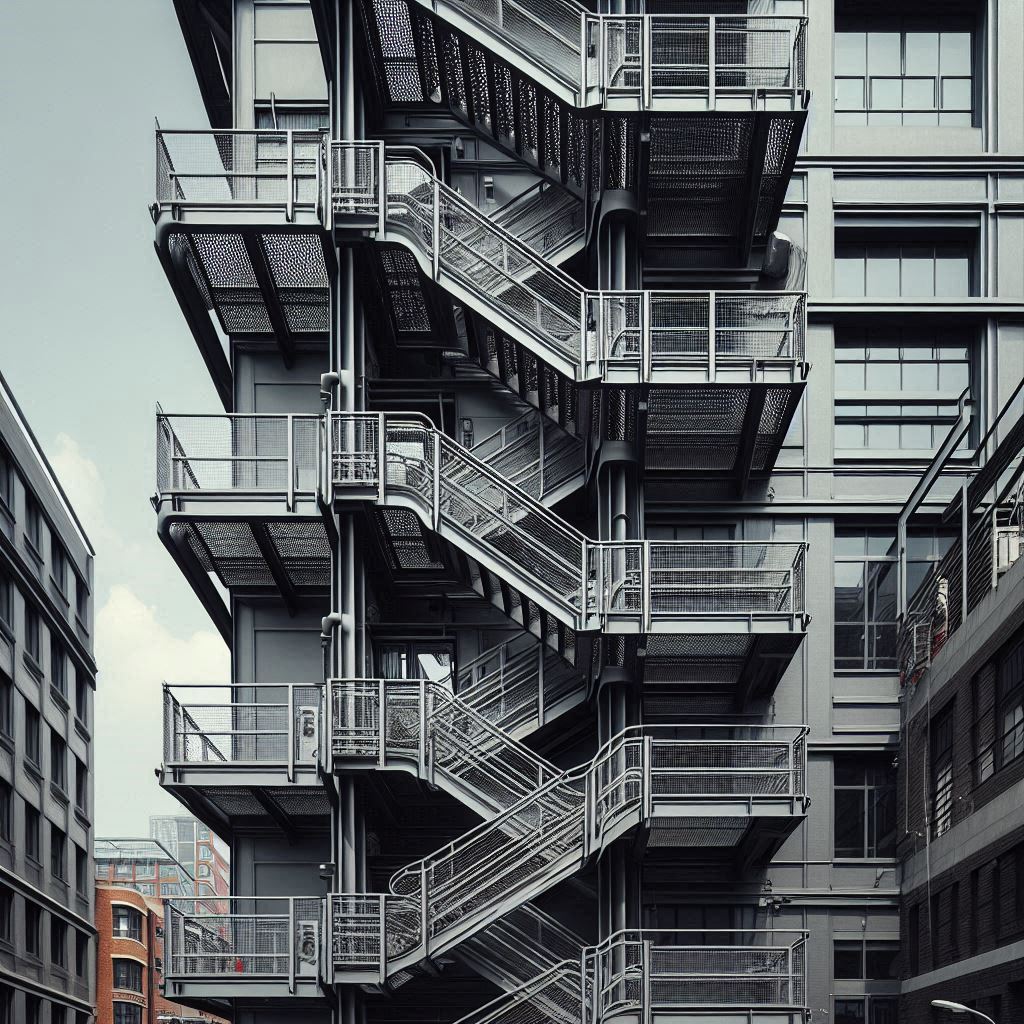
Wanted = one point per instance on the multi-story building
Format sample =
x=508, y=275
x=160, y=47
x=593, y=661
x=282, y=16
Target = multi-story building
x=557, y=554
x=47, y=682
x=133, y=878
x=202, y=853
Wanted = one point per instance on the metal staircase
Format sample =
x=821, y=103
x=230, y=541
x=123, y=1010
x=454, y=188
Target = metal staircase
x=587, y=585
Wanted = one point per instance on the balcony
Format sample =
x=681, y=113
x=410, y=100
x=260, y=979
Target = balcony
x=236, y=500
x=242, y=948
x=235, y=762
x=239, y=231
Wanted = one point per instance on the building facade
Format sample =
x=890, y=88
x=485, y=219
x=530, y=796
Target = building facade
x=577, y=369
x=200, y=851
x=47, y=683
x=133, y=878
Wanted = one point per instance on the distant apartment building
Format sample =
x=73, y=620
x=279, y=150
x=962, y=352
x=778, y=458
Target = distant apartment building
x=47, y=683
x=133, y=878
x=202, y=853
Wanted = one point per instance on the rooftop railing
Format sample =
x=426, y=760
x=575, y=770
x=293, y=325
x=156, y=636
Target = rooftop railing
x=278, y=728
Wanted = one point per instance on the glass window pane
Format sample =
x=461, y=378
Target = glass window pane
x=916, y=119
x=881, y=542
x=882, y=647
x=922, y=53
x=882, y=376
x=883, y=272
x=882, y=592
x=883, y=1009
x=954, y=377
x=884, y=53
x=849, y=376
x=918, y=272
x=957, y=120
x=850, y=53
x=851, y=120
x=956, y=94
x=849, y=435
x=850, y=543
x=919, y=94
x=849, y=646
x=916, y=436
x=880, y=960
x=885, y=117
x=920, y=376
x=883, y=437
x=886, y=94
x=952, y=275
x=849, y=275
x=882, y=808
x=850, y=94
x=849, y=822
x=849, y=595
x=955, y=53
x=847, y=959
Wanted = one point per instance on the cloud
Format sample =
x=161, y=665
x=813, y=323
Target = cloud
x=81, y=480
x=136, y=654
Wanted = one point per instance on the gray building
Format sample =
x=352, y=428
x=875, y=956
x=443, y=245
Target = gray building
x=47, y=682
x=577, y=368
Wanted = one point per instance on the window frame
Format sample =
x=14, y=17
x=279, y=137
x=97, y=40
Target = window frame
x=132, y=915
x=870, y=592
x=119, y=961
x=58, y=853
x=942, y=768
x=870, y=804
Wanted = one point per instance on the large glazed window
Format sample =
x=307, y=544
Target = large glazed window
x=879, y=269
x=864, y=805
x=128, y=974
x=905, y=72
x=127, y=923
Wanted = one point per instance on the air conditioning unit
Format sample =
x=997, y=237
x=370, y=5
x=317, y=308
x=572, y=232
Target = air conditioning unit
x=307, y=732
x=1008, y=547
x=307, y=947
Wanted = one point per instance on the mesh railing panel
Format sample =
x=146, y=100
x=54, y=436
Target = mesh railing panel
x=709, y=975
x=356, y=937
x=355, y=450
x=356, y=178
x=239, y=167
x=240, y=453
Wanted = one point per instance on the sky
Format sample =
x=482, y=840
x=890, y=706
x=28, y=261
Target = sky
x=91, y=338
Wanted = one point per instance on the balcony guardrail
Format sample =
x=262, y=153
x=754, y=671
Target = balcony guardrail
x=261, y=939
x=222, y=169
x=204, y=727
x=590, y=583
x=586, y=333
x=219, y=456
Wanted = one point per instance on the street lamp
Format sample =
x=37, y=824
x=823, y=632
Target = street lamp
x=945, y=1004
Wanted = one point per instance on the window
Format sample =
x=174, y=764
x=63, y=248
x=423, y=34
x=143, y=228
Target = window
x=6, y=800
x=6, y=479
x=866, y=1010
x=864, y=959
x=33, y=523
x=864, y=807
x=6, y=914
x=58, y=665
x=897, y=389
x=81, y=698
x=127, y=923
x=81, y=786
x=58, y=852
x=58, y=564
x=33, y=643
x=58, y=1014
x=1010, y=690
x=127, y=1013
x=204, y=871
x=32, y=1005
x=880, y=270
x=58, y=943
x=33, y=929
x=58, y=761
x=942, y=770
x=914, y=939
x=31, y=833
x=904, y=72
x=128, y=974
x=944, y=915
x=865, y=599
x=32, y=730
x=81, y=600
x=81, y=953
x=205, y=853
x=6, y=706
x=6, y=599
x=81, y=871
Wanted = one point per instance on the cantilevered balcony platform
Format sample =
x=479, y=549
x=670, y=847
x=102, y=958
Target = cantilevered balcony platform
x=242, y=948
x=236, y=500
x=241, y=755
x=239, y=231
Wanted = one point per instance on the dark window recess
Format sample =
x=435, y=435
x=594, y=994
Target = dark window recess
x=865, y=599
x=127, y=923
x=58, y=852
x=81, y=786
x=6, y=801
x=81, y=954
x=33, y=523
x=32, y=827
x=6, y=599
x=942, y=770
x=6, y=914
x=882, y=269
x=33, y=929
x=58, y=943
x=1010, y=690
x=33, y=642
x=864, y=807
x=58, y=761
x=81, y=698
x=58, y=665
x=6, y=707
x=128, y=975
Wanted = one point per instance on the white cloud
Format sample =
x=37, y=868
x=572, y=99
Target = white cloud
x=81, y=480
x=136, y=653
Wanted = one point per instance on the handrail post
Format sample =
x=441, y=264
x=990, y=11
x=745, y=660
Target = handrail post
x=712, y=335
x=583, y=57
x=290, y=462
x=382, y=187
x=436, y=495
x=291, y=733
x=712, y=60
x=540, y=432
x=382, y=458
x=382, y=724
x=436, y=230
x=645, y=582
x=422, y=746
x=289, y=212
x=646, y=1010
x=292, y=951
x=646, y=339
x=382, y=904
x=424, y=910
x=646, y=54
